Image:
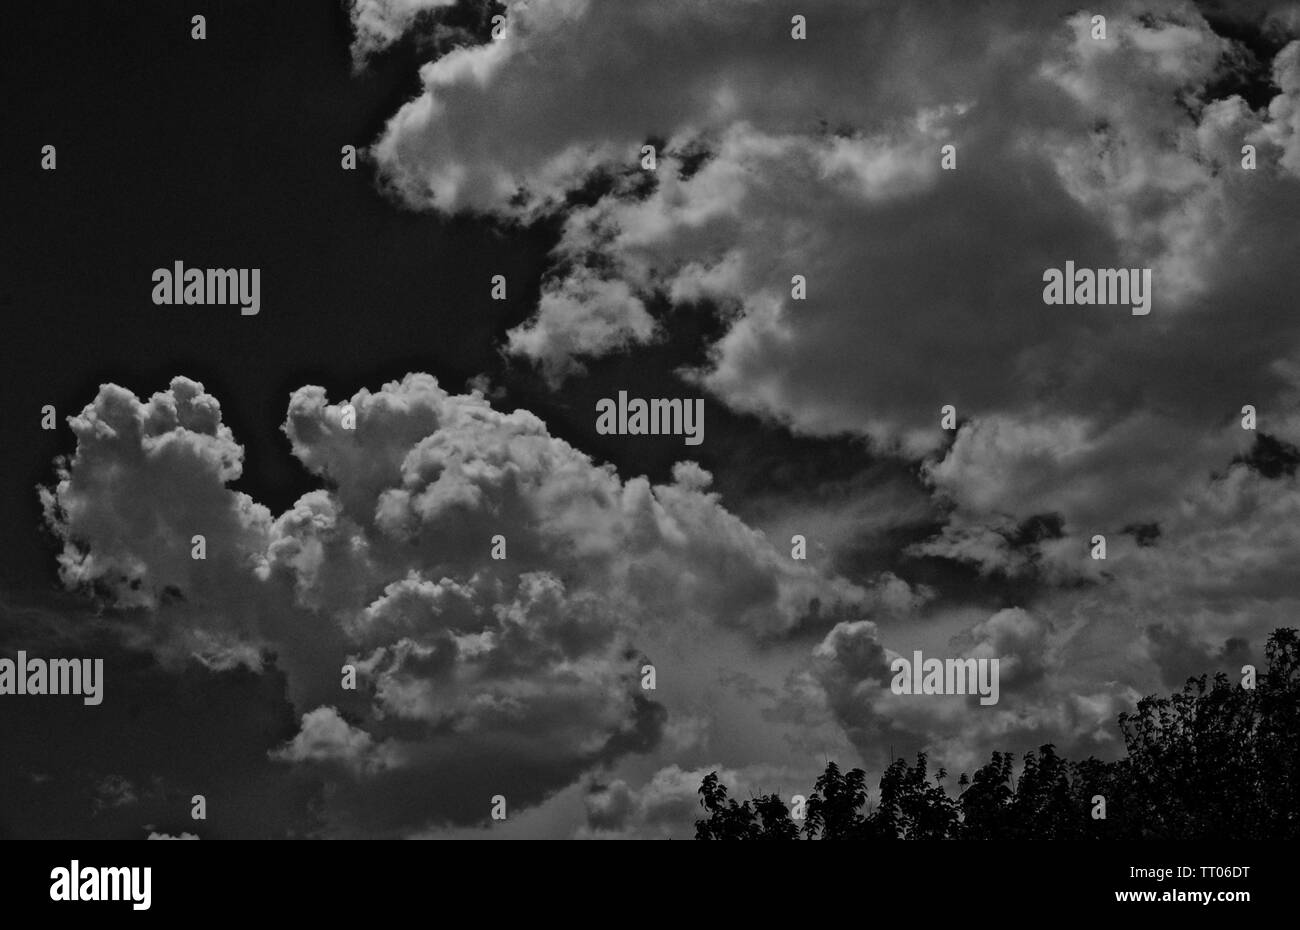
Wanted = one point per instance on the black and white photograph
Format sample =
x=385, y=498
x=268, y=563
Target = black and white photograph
x=574, y=420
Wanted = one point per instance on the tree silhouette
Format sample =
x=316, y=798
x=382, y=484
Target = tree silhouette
x=767, y=819
x=1218, y=761
x=911, y=808
x=1215, y=761
x=832, y=810
x=986, y=802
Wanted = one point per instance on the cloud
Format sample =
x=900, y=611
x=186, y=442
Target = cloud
x=582, y=315
x=920, y=292
x=326, y=737
x=428, y=479
x=924, y=288
x=1283, y=127
x=527, y=665
x=377, y=24
x=1040, y=699
x=1000, y=472
x=1102, y=149
x=1199, y=595
x=145, y=478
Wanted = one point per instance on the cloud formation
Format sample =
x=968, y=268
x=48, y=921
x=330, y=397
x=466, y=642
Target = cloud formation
x=775, y=158
x=822, y=158
x=525, y=665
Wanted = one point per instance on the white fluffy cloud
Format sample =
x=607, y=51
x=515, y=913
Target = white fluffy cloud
x=526, y=666
x=821, y=158
x=828, y=166
x=145, y=478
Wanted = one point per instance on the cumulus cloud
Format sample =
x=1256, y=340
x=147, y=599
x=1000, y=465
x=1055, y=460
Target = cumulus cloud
x=146, y=477
x=1105, y=152
x=525, y=665
x=327, y=737
x=427, y=480
x=921, y=289
x=146, y=480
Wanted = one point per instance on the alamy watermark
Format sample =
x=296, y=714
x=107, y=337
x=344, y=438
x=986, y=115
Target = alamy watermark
x=658, y=416
x=88, y=883
x=206, y=286
x=946, y=676
x=53, y=676
x=1112, y=286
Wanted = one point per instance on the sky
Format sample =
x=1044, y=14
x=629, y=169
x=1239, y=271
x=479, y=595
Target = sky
x=353, y=451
